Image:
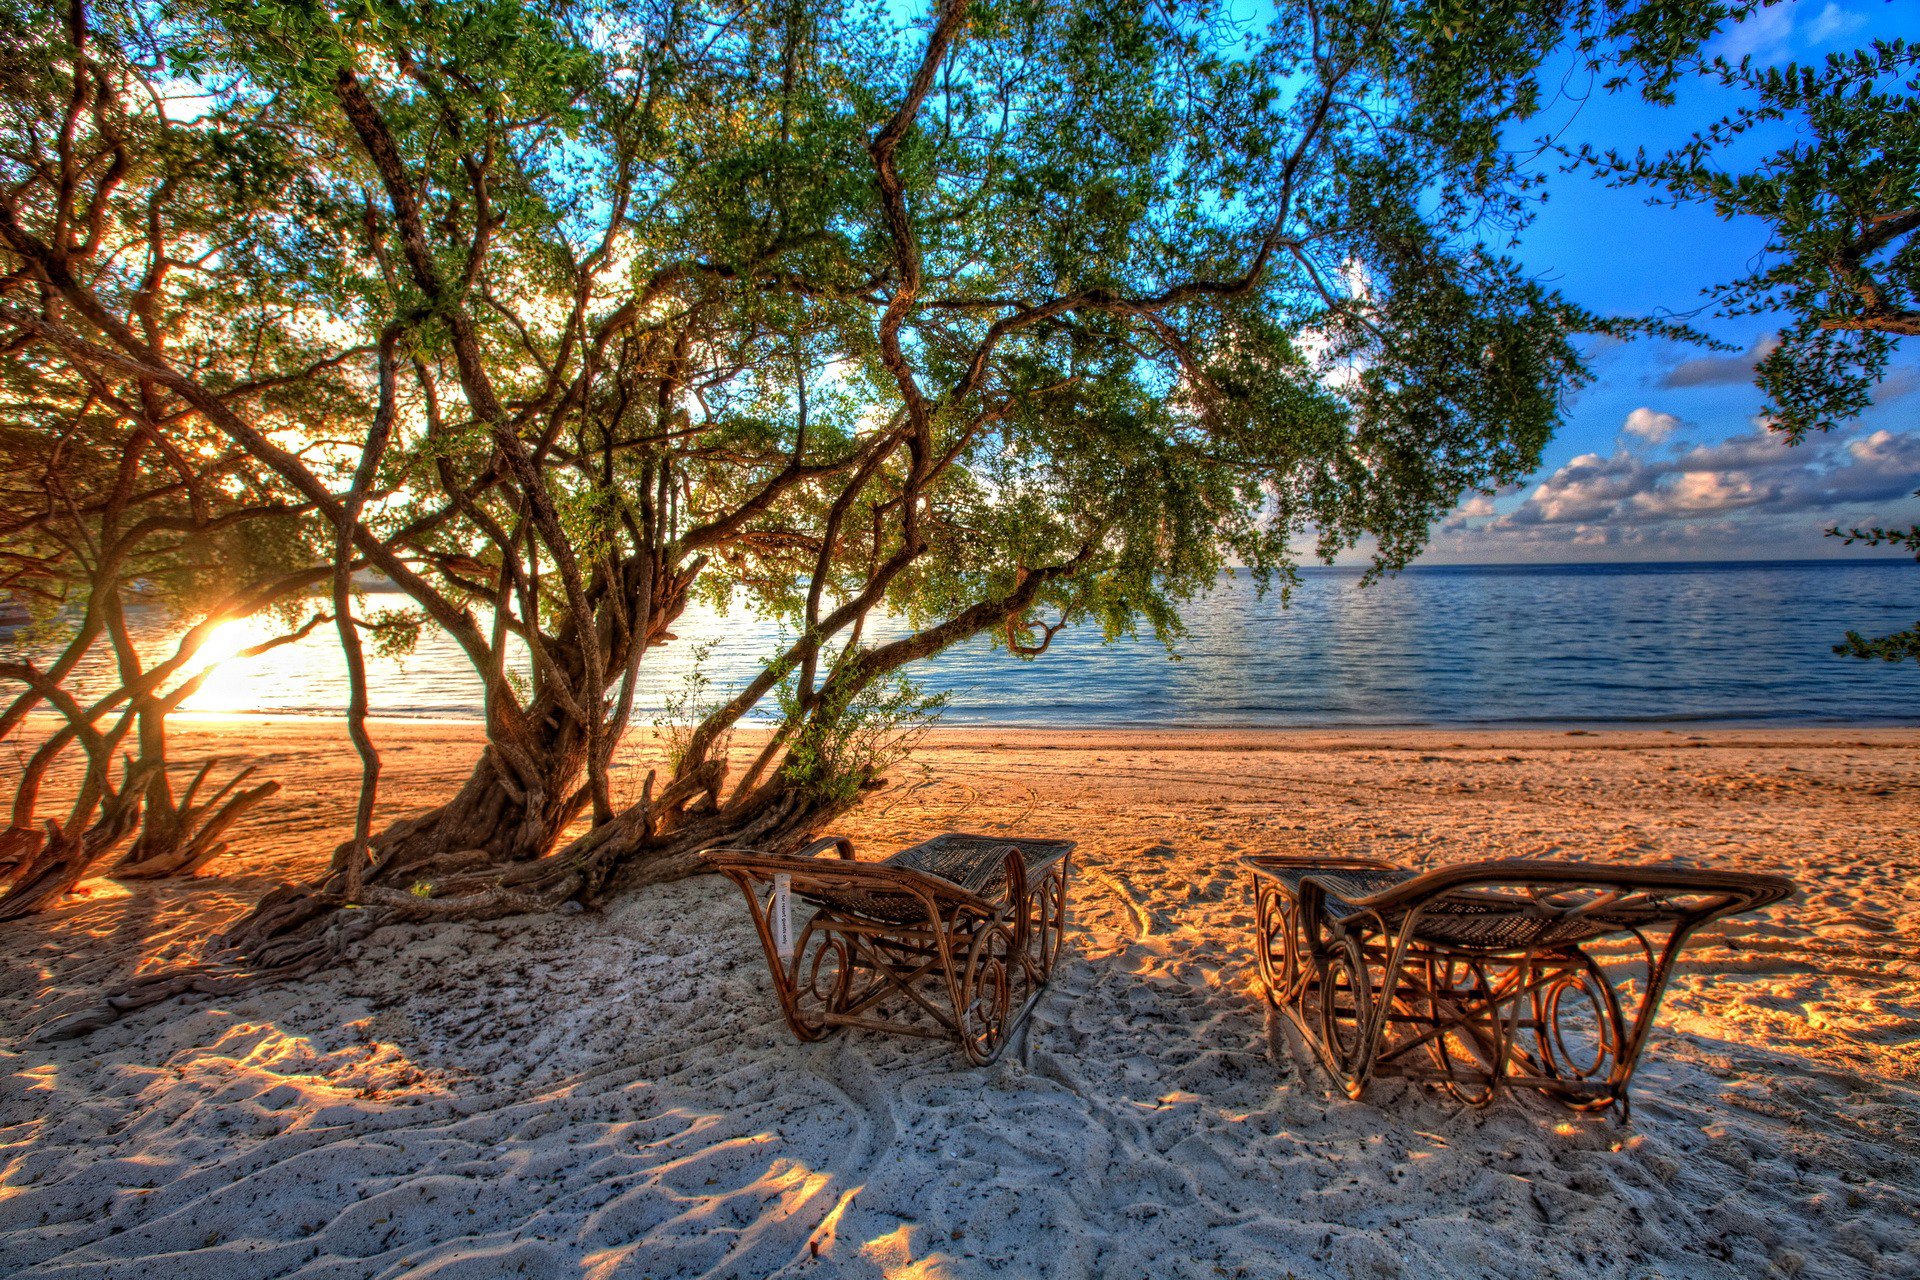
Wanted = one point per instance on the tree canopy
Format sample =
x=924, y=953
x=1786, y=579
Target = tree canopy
x=990, y=318
x=1840, y=199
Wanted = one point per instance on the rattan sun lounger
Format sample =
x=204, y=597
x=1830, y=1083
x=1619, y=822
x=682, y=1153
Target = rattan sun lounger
x=954, y=936
x=1484, y=975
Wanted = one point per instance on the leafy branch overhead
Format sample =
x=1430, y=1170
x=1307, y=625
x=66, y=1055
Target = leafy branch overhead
x=1900, y=645
x=1841, y=202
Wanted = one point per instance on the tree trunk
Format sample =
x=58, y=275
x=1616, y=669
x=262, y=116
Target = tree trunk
x=498, y=825
x=488, y=851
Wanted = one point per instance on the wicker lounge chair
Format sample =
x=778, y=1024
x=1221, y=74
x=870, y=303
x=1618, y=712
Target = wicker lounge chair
x=1483, y=975
x=954, y=936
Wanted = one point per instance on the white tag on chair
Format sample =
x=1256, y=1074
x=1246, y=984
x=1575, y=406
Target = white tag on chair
x=783, y=916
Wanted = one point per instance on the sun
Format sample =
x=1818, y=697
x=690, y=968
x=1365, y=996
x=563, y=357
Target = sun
x=227, y=640
x=227, y=675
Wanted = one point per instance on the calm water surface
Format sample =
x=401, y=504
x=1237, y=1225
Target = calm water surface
x=1554, y=644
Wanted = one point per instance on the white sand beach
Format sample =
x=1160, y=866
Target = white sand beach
x=613, y=1094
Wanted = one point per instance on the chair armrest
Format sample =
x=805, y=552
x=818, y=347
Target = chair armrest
x=1324, y=862
x=844, y=845
x=1741, y=891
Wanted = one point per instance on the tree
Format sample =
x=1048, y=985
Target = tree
x=1841, y=201
x=110, y=503
x=103, y=516
x=1019, y=315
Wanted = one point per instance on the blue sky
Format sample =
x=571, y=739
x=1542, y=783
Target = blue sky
x=1661, y=457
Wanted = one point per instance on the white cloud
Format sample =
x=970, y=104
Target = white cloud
x=1772, y=33
x=1650, y=425
x=1700, y=493
x=1883, y=451
x=1588, y=488
x=1762, y=35
x=1706, y=371
x=1832, y=23
x=1475, y=507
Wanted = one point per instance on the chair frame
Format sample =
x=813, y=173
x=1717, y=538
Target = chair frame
x=973, y=965
x=1370, y=980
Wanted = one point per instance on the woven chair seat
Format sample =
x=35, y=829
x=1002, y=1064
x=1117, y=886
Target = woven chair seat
x=975, y=864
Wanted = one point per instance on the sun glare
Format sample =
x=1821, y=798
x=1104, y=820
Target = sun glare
x=228, y=639
x=228, y=675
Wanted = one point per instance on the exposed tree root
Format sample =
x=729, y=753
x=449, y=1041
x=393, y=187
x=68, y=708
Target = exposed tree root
x=295, y=931
x=192, y=836
x=47, y=870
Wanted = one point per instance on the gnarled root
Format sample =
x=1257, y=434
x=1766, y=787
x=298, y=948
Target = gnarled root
x=192, y=837
x=297, y=930
x=51, y=869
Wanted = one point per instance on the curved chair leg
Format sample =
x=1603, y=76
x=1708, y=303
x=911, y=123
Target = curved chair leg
x=990, y=991
x=1275, y=946
x=816, y=982
x=1580, y=1033
x=1466, y=1030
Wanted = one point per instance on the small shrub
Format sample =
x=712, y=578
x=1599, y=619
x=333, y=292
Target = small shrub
x=683, y=709
x=848, y=742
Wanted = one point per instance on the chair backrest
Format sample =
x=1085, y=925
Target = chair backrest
x=871, y=889
x=1531, y=902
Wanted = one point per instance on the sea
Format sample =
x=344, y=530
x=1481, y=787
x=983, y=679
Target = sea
x=1589, y=644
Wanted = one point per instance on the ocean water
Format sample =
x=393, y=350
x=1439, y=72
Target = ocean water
x=1554, y=644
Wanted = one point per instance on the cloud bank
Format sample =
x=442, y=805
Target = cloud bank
x=1751, y=495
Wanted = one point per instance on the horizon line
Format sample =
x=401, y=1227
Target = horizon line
x=1750, y=561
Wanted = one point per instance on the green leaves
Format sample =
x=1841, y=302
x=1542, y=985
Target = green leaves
x=1900, y=645
x=1840, y=196
x=850, y=738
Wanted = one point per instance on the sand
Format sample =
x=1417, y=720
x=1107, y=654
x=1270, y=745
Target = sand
x=612, y=1094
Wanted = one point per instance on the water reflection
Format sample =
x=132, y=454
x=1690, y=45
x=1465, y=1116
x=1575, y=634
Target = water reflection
x=1553, y=643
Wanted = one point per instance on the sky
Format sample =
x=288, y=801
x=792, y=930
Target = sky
x=1661, y=457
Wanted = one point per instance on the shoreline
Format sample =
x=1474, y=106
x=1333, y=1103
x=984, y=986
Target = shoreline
x=1731, y=724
